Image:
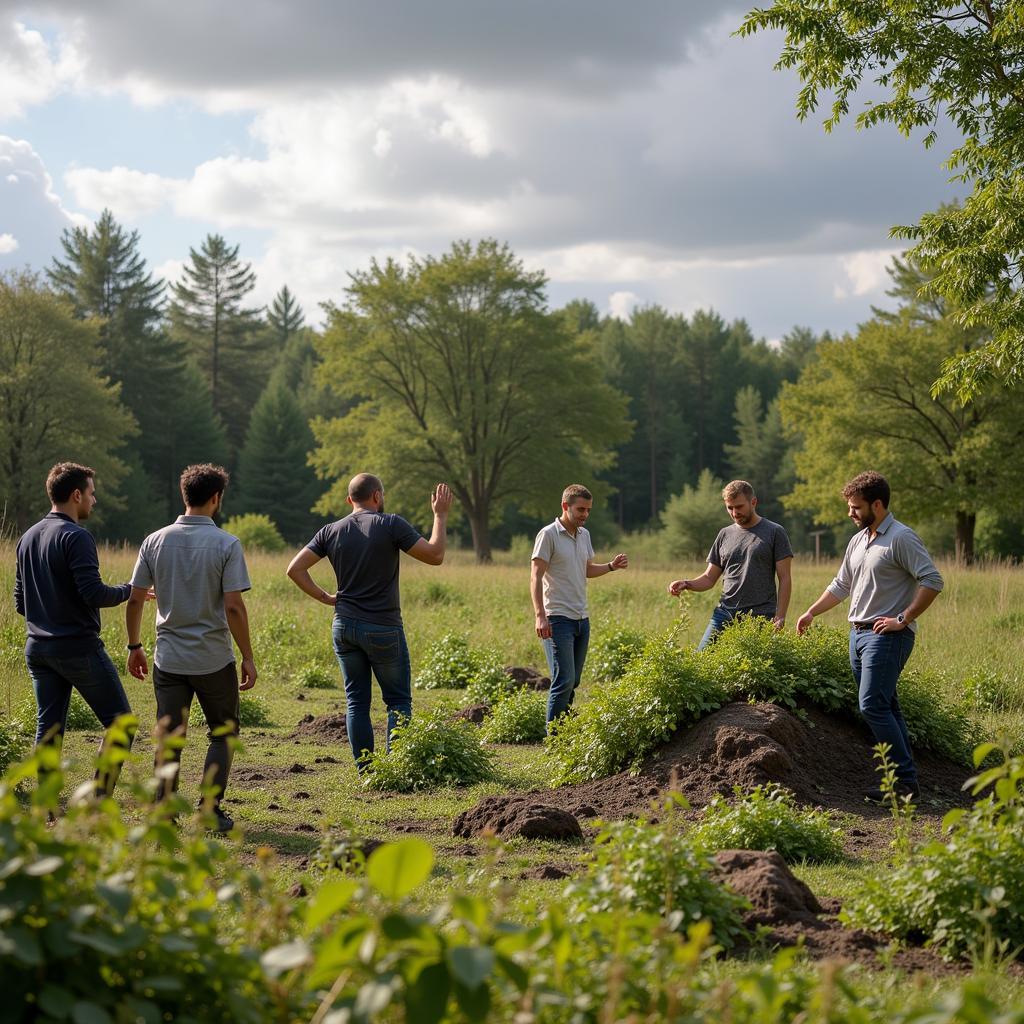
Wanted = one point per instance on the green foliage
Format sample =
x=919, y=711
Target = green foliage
x=519, y=717
x=449, y=664
x=692, y=518
x=257, y=532
x=253, y=711
x=934, y=721
x=80, y=716
x=103, y=919
x=768, y=818
x=637, y=866
x=315, y=677
x=931, y=61
x=278, y=644
x=960, y=893
x=489, y=682
x=447, y=365
x=609, y=654
x=14, y=741
x=428, y=751
x=661, y=690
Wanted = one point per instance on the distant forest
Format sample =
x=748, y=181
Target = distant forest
x=454, y=367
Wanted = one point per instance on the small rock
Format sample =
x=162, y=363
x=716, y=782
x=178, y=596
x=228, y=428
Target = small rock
x=301, y=795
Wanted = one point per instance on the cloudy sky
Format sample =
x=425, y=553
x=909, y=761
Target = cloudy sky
x=637, y=152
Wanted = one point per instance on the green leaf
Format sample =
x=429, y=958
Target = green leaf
x=56, y=1001
x=23, y=944
x=426, y=999
x=117, y=896
x=328, y=900
x=471, y=964
x=475, y=1003
x=982, y=751
x=44, y=866
x=84, y=1012
x=285, y=957
x=395, y=869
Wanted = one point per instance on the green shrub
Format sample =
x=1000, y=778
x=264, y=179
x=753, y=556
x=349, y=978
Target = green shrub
x=80, y=716
x=14, y=741
x=278, y=644
x=768, y=818
x=489, y=682
x=449, y=664
x=253, y=711
x=961, y=895
x=519, y=717
x=315, y=677
x=935, y=722
x=12, y=644
x=661, y=690
x=637, y=866
x=428, y=751
x=257, y=532
x=610, y=654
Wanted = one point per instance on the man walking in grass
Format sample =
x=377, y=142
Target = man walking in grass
x=891, y=581
x=563, y=561
x=198, y=572
x=750, y=554
x=364, y=549
x=58, y=590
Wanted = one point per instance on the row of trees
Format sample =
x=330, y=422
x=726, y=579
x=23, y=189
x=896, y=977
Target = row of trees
x=453, y=367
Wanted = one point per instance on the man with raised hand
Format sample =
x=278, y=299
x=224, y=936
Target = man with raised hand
x=58, y=590
x=364, y=549
x=198, y=572
x=891, y=581
x=563, y=561
x=750, y=554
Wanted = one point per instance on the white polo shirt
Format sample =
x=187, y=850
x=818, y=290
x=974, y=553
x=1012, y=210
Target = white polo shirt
x=565, y=582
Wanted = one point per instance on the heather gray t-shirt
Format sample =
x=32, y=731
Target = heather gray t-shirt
x=565, y=582
x=747, y=559
x=191, y=565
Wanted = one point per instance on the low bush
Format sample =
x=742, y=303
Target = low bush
x=961, y=894
x=14, y=741
x=519, y=717
x=489, y=682
x=449, y=664
x=611, y=653
x=315, y=677
x=637, y=866
x=253, y=711
x=428, y=751
x=768, y=818
x=81, y=717
x=257, y=532
x=934, y=722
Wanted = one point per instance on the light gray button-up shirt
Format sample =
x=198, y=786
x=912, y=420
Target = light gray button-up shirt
x=565, y=582
x=881, y=576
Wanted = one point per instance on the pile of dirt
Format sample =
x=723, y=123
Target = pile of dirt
x=475, y=713
x=528, y=678
x=544, y=873
x=825, y=760
x=510, y=816
x=776, y=895
x=328, y=728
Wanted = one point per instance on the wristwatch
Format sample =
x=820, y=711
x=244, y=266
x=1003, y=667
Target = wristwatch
x=133, y=647
x=901, y=619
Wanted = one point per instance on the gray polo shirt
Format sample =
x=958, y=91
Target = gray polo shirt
x=881, y=576
x=191, y=564
x=565, y=582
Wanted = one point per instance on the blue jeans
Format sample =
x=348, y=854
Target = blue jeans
x=720, y=618
x=93, y=675
x=566, y=651
x=362, y=647
x=877, y=659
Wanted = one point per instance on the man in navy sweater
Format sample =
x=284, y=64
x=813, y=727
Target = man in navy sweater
x=58, y=589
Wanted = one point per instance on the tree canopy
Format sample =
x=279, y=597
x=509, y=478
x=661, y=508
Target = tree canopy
x=935, y=59
x=461, y=374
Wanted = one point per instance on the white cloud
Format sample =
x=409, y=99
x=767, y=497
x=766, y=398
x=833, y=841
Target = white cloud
x=8, y=243
x=865, y=272
x=621, y=304
x=128, y=194
x=29, y=72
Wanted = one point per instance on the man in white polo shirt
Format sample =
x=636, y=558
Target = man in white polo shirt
x=563, y=561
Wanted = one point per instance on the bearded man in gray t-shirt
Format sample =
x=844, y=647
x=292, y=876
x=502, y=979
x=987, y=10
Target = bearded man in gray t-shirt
x=748, y=556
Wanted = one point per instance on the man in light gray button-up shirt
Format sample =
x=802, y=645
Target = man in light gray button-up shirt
x=890, y=580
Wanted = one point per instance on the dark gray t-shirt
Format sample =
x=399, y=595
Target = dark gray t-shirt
x=364, y=550
x=747, y=559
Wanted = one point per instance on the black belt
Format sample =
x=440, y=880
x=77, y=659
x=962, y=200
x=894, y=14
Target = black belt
x=860, y=626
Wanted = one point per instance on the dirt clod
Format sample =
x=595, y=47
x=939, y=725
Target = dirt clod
x=297, y=891
x=475, y=713
x=509, y=816
x=544, y=873
x=777, y=896
x=328, y=728
x=298, y=769
x=527, y=677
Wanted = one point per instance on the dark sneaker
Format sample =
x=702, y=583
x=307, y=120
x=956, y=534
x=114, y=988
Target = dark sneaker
x=223, y=822
x=902, y=790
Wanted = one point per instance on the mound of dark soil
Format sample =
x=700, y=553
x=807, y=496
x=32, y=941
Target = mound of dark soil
x=825, y=760
x=475, y=713
x=544, y=873
x=526, y=677
x=777, y=896
x=510, y=816
x=328, y=728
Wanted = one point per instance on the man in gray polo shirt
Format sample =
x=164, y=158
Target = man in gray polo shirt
x=198, y=573
x=563, y=561
x=890, y=580
x=749, y=555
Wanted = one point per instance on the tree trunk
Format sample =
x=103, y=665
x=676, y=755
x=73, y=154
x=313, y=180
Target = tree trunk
x=481, y=529
x=965, y=523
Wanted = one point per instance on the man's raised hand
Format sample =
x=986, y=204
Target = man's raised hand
x=441, y=499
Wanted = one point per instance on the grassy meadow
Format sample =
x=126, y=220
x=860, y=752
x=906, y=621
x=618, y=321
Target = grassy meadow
x=974, y=635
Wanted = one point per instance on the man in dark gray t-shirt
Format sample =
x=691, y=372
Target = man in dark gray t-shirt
x=748, y=556
x=364, y=549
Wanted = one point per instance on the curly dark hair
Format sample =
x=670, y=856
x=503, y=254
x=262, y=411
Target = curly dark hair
x=65, y=478
x=200, y=483
x=870, y=486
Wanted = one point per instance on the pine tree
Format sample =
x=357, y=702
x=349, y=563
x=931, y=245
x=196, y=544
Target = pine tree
x=274, y=475
x=222, y=335
x=285, y=317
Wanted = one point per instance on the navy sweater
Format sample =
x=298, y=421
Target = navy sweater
x=57, y=587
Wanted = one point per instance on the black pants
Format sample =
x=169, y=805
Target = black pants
x=217, y=693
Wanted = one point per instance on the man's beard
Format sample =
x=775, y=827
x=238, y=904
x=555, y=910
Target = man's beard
x=380, y=507
x=867, y=520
